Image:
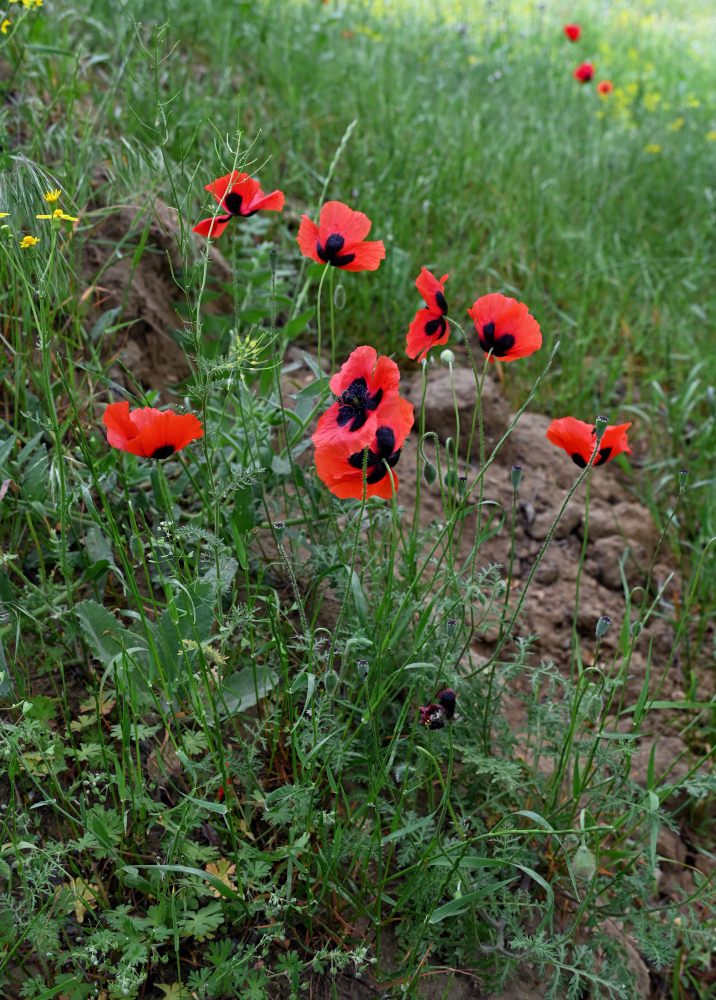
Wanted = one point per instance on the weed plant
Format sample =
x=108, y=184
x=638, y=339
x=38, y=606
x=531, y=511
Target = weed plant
x=219, y=777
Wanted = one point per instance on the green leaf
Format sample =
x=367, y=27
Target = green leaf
x=244, y=688
x=297, y=325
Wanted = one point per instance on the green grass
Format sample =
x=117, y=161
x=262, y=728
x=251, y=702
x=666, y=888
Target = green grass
x=214, y=780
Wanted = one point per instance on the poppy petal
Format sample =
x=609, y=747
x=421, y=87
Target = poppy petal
x=308, y=238
x=273, y=202
x=427, y=330
x=212, y=227
x=432, y=290
x=221, y=185
x=336, y=217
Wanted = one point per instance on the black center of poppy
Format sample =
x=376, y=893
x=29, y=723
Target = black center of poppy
x=434, y=326
x=355, y=402
x=441, y=303
x=331, y=252
x=164, y=451
x=233, y=202
x=499, y=346
x=602, y=457
x=377, y=460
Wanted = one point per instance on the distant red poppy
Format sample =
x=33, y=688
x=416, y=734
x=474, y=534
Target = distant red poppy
x=605, y=87
x=506, y=327
x=579, y=439
x=148, y=432
x=367, y=391
x=342, y=469
x=429, y=328
x=237, y=194
x=584, y=72
x=339, y=239
x=572, y=31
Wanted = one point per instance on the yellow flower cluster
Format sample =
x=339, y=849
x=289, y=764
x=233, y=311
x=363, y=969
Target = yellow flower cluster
x=51, y=197
x=30, y=4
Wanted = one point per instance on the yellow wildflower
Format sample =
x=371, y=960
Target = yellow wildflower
x=3, y=214
x=59, y=214
x=652, y=101
x=711, y=136
x=29, y=241
x=52, y=195
x=676, y=124
x=652, y=147
x=5, y=25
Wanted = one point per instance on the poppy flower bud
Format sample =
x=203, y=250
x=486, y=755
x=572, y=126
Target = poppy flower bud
x=600, y=425
x=451, y=625
x=603, y=624
x=331, y=681
x=462, y=485
x=516, y=477
x=430, y=473
x=683, y=479
x=362, y=666
x=447, y=357
x=273, y=259
x=339, y=296
x=584, y=864
x=593, y=708
x=278, y=529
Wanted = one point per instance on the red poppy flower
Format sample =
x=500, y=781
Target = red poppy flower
x=339, y=239
x=584, y=72
x=579, y=439
x=341, y=469
x=506, y=327
x=572, y=31
x=237, y=194
x=605, y=87
x=433, y=716
x=367, y=391
x=429, y=328
x=148, y=432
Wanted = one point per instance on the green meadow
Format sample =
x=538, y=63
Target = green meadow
x=231, y=762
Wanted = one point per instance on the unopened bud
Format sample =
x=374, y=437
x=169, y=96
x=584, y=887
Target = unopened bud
x=600, y=425
x=273, y=259
x=331, y=681
x=584, y=864
x=462, y=485
x=447, y=357
x=516, y=477
x=362, y=666
x=603, y=624
x=593, y=707
x=451, y=625
x=430, y=473
x=278, y=528
x=683, y=479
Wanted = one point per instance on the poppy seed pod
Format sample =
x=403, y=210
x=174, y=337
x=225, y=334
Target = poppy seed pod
x=603, y=624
